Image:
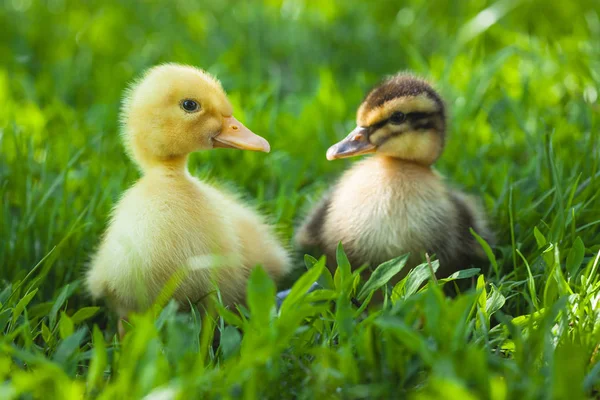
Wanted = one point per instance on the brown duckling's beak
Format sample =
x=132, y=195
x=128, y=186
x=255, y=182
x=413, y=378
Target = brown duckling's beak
x=356, y=143
x=236, y=136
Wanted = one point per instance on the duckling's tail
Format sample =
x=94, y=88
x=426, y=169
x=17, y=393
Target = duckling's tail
x=472, y=215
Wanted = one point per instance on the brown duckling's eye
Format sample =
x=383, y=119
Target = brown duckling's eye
x=190, y=105
x=397, y=118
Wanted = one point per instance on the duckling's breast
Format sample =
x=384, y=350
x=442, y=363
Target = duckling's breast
x=163, y=227
x=383, y=208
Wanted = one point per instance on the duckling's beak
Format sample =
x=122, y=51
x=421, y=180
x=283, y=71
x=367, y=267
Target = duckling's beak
x=356, y=143
x=236, y=136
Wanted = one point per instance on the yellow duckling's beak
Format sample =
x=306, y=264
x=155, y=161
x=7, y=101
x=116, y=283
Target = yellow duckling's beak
x=236, y=136
x=356, y=143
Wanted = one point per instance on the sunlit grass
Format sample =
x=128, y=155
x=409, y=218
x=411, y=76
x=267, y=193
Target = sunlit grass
x=522, y=83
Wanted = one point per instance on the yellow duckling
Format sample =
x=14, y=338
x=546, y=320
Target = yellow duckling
x=394, y=203
x=169, y=221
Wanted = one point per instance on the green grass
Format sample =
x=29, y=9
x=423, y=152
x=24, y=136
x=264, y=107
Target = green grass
x=522, y=81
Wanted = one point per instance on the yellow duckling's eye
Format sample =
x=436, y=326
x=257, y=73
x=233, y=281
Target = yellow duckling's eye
x=190, y=106
x=397, y=118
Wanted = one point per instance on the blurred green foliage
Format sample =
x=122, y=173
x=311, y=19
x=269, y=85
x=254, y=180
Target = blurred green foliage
x=522, y=81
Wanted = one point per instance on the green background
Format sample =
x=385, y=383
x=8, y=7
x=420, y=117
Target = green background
x=521, y=80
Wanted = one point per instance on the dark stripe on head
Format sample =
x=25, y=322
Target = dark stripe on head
x=415, y=116
x=401, y=85
x=376, y=126
x=424, y=124
x=416, y=121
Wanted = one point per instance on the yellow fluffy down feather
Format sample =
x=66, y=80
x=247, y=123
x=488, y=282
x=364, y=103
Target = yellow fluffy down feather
x=170, y=225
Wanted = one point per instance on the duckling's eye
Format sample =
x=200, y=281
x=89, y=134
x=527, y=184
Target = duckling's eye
x=397, y=118
x=190, y=105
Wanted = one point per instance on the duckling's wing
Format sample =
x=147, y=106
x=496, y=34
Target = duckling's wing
x=309, y=235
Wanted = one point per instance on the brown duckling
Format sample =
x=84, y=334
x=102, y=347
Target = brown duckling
x=394, y=203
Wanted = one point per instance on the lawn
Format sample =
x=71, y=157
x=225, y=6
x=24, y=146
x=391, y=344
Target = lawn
x=522, y=82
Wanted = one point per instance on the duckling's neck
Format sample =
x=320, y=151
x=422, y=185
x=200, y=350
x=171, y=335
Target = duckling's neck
x=394, y=162
x=176, y=166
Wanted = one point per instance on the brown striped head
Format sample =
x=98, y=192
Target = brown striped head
x=403, y=117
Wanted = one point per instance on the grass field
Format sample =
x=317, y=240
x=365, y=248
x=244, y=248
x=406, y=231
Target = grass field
x=522, y=82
